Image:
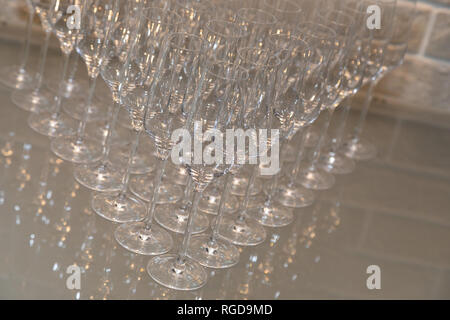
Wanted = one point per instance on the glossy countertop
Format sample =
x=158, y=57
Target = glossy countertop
x=393, y=212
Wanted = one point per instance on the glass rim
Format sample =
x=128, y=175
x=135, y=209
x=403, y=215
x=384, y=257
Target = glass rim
x=268, y=14
x=234, y=77
x=186, y=35
x=270, y=56
x=242, y=32
x=332, y=33
x=299, y=10
x=165, y=13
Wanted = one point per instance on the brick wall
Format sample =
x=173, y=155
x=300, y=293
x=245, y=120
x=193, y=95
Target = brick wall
x=424, y=79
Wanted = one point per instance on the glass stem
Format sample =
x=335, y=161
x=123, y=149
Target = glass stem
x=221, y=211
x=274, y=181
x=26, y=52
x=251, y=182
x=44, y=50
x=109, y=133
x=322, y=138
x=186, y=202
x=190, y=226
x=156, y=184
x=133, y=150
x=90, y=99
x=336, y=142
x=356, y=135
x=61, y=90
x=73, y=71
x=303, y=132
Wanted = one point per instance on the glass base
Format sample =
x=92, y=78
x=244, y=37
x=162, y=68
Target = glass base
x=143, y=163
x=136, y=238
x=247, y=232
x=43, y=123
x=76, y=108
x=77, y=151
x=312, y=139
x=210, y=203
x=293, y=195
x=336, y=163
x=174, y=217
x=99, y=130
x=272, y=215
x=15, y=77
x=70, y=88
x=239, y=187
x=358, y=149
x=168, y=271
x=142, y=186
x=213, y=253
x=118, y=208
x=31, y=100
x=316, y=179
x=101, y=176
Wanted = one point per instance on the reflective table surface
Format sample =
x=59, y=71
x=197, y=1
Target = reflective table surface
x=392, y=212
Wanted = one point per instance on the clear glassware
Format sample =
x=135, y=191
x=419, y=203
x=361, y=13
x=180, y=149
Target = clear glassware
x=354, y=147
x=96, y=28
x=37, y=99
x=295, y=55
x=209, y=112
x=55, y=123
x=177, y=75
x=332, y=159
x=313, y=177
x=16, y=77
x=321, y=40
x=263, y=66
x=107, y=175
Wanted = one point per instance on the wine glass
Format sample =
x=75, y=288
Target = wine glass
x=295, y=54
x=106, y=174
x=36, y=99
x=16, y=77
x=54, y=123
x=241, y=229
x=210, y=117
x=332, y=159
x=344, y=26
x=96, y=26
x=321, y=39
x=354, y=147
x=178, y=72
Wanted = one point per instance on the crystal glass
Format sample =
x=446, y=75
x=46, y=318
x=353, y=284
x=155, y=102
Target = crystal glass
x=54, y=123
x=321, y=40
x=177, y=75
x=96, y=26
x=354, y=147
x=211, y=115
x=16, y=77
x=313, y=177
x=37, y=99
